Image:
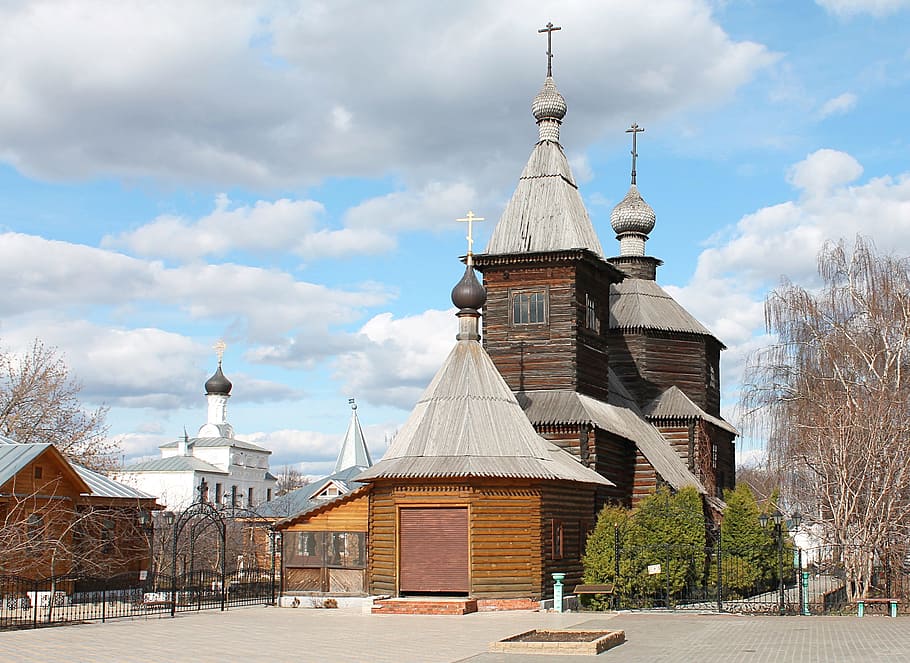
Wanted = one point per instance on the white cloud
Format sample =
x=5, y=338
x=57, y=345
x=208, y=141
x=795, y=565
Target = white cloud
x=839, y=105
x=135, y=368
x=280, y=226
x=259, y=305
x=846, y=8
x=397, y=358
x=326, y=95
x=733, y=275
x=823, y=170
x=289, y=446
x=431, y=207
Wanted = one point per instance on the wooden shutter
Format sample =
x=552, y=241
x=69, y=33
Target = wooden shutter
x=433, y=550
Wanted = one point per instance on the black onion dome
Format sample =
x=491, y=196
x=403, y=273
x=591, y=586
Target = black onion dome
x=468, y=293
x=218, y=384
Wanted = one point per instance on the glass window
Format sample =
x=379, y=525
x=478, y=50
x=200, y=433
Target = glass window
x=340, y=550
x=529, y=308
x=591, y=321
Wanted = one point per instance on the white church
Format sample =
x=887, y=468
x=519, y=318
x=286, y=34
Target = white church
x=231, y=472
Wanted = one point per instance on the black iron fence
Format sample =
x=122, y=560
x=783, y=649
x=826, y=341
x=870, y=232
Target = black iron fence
x=27, y=603
x=809, y=582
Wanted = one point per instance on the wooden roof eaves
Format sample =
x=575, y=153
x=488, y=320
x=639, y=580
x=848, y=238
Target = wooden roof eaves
x=290, y=521
x=482, y=260
x=688, y=418
x=668, y=330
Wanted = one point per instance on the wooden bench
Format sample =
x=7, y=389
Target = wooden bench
x=861, y=606
x=593, y=589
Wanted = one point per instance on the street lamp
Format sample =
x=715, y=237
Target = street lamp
x=777, y=518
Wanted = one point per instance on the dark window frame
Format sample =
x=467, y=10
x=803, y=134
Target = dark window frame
x=529, y=307
x=558, y=539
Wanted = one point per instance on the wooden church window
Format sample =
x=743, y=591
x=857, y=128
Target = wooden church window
x=529, y=308
x=591, y=321
x=557, y=530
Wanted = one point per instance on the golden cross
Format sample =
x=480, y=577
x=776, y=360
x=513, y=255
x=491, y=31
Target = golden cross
x=470, y=218
x=549, y=29
x=219, y=347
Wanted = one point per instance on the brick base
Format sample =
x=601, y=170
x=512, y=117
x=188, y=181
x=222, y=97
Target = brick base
x=424, y=607
x=492, y=605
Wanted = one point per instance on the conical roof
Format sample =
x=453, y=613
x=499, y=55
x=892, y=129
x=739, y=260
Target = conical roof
x=468, y=424
x=546, y=212
x=354, y=451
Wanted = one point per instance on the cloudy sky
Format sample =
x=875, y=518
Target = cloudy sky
x=285, y=175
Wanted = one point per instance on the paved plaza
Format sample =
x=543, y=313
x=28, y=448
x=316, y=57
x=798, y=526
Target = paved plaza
x=346, y=635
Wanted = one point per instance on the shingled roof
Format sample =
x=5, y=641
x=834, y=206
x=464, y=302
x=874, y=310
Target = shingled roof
x=673, y=405
x=642, y=304
x=620, y=416
x=468, y=423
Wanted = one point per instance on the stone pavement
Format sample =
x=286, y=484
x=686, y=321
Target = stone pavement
x=348, y=635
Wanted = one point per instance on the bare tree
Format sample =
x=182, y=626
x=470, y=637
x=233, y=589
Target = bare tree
x=833, y=392
x=44, y=533
x=290, y=479
x=39, y=402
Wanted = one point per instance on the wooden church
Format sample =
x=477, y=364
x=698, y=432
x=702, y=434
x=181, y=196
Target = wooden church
x=589, y=384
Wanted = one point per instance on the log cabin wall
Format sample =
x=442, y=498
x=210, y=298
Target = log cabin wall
x=646, y=478
x=42, y=489
x=346, y=517
x=609, y=455
x=504, y=533
x=564, y=351
x=651, y=361
x=568, y=515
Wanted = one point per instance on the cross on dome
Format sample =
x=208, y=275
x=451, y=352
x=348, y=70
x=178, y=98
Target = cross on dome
x=549, y=29
x=634, y=130
x=219, y=347
x=470, y=219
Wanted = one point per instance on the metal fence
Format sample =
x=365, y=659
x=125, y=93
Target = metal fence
x=27, y=603
x=801, y=582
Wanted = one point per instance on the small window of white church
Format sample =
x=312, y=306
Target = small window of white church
x=529, y=308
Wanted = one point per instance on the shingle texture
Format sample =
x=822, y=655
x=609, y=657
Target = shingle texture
x=673, y=404
x=642, y=304
x=620, y=417
x=546, y=212
x=469, y=424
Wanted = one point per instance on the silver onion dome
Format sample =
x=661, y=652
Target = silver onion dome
x=548, y=107
x=632, y=219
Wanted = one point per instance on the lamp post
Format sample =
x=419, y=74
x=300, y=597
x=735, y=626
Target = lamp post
x=777, y=519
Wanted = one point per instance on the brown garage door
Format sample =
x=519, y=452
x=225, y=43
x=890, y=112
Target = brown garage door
x=433, y=550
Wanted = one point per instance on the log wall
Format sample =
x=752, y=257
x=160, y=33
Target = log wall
x=650, y=362
x=349, y=516
x=571, y=507
x=562, y=353
x=504, y=534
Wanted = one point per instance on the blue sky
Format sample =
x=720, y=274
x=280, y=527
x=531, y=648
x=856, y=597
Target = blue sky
x=286, y=175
